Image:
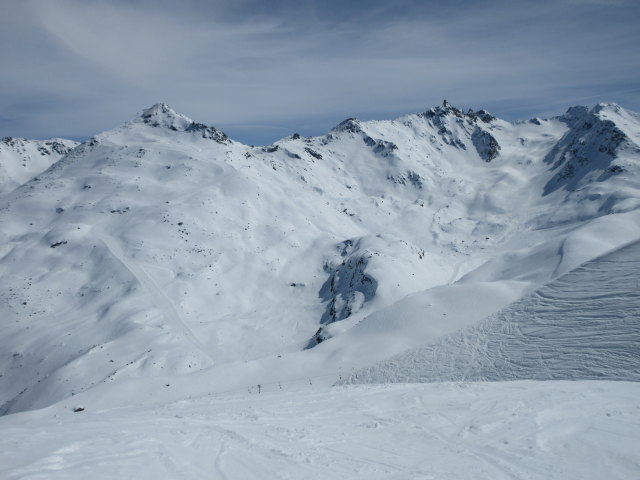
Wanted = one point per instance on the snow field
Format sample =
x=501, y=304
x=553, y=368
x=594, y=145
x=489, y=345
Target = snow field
x=494, y=431
x=583, y=325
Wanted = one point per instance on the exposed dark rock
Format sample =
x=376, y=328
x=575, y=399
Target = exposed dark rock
x=486, y=145
x=210, y=133
x=313, y=153
x=411, y=178
x=351, y=125
x=481, y=115
x=445, y=109
x=381, y=147
x=120, y=210
x=590, y=145
x=348, y=286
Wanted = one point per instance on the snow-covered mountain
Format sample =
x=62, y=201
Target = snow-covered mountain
x=163, y=248
x=22, y=159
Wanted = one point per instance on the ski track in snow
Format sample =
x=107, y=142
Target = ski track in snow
x=162, y=301
x=583, y=325
x=495, y=431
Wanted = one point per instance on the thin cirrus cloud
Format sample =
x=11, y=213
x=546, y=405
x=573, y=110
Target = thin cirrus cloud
x=261, y=70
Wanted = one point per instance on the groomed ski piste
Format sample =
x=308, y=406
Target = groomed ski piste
x=175, y=304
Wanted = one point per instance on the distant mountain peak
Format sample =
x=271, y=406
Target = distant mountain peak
x=579, y=113
x=162, y=115
x=447, y=109
x=607, y=106
x=352, y=125
x=592, y=149
x=442, y=110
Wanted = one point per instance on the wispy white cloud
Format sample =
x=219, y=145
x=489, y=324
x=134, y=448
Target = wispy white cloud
x=77, y=67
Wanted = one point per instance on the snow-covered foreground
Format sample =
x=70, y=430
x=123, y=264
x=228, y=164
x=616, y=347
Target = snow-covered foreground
x=515, y=430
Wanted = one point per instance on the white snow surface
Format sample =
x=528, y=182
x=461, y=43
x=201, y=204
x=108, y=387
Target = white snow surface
x=583, y=325
x=22, y=159
x=160, y=271
x=492, y=431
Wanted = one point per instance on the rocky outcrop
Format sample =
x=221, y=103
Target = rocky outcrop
x=348, y=287
x=486, y=145
x=211, y=133
x=163, y=116
x=590, y=146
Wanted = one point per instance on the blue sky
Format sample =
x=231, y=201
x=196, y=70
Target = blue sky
x=260, y=70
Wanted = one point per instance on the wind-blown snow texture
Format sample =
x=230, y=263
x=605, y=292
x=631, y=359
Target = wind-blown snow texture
x=583, y=325
x=164, y=248
x=497, y=431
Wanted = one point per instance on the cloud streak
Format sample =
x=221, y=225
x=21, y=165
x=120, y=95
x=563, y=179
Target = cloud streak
x=76, y=68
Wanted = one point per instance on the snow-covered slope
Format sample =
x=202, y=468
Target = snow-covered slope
x=490, y=431
x=583, y=325
x=21, y=159
x=163, y=248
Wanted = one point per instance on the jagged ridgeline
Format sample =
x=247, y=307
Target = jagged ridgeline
x=163, y=247
x=22, y=159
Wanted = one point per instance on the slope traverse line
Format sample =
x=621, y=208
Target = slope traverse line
x=164, y=303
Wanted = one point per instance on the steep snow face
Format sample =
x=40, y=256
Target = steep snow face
x=164, y=248
x=22, y=159
x=475, y=124
x=602, y=145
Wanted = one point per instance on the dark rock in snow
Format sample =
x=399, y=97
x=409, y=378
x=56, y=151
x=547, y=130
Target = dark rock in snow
x=486, y=145
x=348, y=286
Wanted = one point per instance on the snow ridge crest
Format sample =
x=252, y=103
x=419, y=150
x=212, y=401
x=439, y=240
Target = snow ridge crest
x=162, y=115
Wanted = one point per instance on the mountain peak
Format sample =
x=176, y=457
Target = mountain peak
x=162, y=115
x=607, y=106
x=624, y=119
x=447, y=109
x=352, y=125
x=442, y=110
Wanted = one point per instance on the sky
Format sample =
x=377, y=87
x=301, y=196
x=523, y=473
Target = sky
x=260, y=70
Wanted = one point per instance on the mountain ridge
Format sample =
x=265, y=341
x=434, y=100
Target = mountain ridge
x=161, y=247
x=22, y=159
